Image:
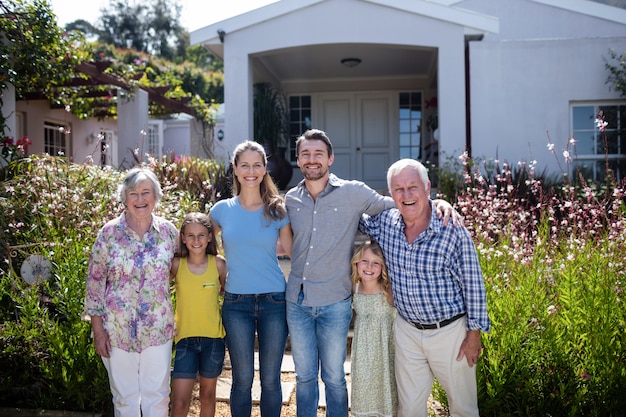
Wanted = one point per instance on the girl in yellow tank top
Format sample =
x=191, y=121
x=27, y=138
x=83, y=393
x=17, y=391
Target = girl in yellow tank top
x=199, y=274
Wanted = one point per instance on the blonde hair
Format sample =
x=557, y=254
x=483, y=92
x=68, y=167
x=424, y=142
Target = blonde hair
x=272, y=200
x=375, y=248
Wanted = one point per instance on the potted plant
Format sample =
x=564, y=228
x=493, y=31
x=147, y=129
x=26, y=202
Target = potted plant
x=271, y=129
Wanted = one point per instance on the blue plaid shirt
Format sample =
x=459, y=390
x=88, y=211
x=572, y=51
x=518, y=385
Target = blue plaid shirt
x=435, y=277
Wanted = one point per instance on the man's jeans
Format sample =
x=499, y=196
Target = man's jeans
x=318, y=337
x=244, y=315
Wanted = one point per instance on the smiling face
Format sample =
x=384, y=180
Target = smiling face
x=369, y=267
x=250, y=169
x=313, y=159
x=196, y=238
x=410, y=194
x=141, y=200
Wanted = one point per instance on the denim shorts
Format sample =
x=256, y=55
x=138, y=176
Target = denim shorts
x=203, y=355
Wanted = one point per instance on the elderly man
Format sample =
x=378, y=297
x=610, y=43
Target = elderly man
x=438, y=291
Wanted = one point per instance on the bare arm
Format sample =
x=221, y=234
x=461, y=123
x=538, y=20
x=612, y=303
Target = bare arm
x=174, y=268
x=285, y=241
x=221, y=269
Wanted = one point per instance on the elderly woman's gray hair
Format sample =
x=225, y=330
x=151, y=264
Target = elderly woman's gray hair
x=133, y=178
x=398, y=166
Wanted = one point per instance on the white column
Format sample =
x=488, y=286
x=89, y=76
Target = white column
x=132, y=125
x=8, y=111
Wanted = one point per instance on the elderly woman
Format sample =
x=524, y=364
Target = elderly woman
x=128, y=299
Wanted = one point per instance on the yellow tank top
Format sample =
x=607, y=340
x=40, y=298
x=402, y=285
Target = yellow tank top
x=197, y=307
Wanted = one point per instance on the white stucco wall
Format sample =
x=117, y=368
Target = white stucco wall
x=529, y=19
x=368, y=23
x=83, y=133
x=176, y=138
x=521, y=91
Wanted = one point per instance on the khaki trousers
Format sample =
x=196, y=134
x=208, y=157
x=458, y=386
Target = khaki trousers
x=422, y=355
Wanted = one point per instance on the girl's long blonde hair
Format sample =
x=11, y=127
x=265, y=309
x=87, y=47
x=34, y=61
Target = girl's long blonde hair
x=272, y=200
x=373, y=246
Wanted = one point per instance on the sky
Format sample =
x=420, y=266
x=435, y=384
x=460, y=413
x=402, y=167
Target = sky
x=195, y=14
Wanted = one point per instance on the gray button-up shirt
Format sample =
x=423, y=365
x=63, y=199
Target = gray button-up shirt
x=323, y=238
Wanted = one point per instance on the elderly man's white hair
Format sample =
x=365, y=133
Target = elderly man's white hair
x=398, y=166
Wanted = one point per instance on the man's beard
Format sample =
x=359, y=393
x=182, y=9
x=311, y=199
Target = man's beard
x=314, y=177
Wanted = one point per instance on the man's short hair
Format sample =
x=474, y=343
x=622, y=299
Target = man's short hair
x=314, y=134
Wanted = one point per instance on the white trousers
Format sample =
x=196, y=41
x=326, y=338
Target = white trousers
x=140, y=382
x=422, y=355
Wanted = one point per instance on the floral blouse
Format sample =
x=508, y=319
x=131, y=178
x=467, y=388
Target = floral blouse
x=128, y=283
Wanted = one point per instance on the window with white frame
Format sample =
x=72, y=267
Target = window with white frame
x=410, y=125
x=299, y=121
x=599, y=130
x=153, y=143
x=108, y=148
x=57, y=139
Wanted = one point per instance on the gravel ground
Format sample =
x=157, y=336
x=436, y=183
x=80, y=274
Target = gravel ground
x=289, y=410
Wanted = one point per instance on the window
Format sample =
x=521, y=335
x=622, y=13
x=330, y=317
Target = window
x=154, y=138
x=595, y=150
x=56, y=139
x=410, y=125
x=299, y=121
x=108, y=148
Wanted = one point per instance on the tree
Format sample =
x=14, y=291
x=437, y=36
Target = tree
x=617, y=76
x=34, y=52
x=153, y=28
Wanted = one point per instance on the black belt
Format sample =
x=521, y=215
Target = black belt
x=439, y=325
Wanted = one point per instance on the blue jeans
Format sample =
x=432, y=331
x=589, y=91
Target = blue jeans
x=318, y=337
x=243, y=316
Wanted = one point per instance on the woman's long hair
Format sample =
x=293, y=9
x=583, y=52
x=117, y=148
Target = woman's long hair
x=274, y=203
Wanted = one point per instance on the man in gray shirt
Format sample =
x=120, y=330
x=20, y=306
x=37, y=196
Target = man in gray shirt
x=324, y=212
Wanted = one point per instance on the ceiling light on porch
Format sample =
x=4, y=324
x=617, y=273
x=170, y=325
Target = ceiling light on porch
x=351, y=62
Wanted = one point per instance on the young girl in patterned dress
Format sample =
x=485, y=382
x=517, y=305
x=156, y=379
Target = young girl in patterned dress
x=372, y=352
x=199, y=275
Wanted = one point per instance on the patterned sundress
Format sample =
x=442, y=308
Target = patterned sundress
x=374, y=391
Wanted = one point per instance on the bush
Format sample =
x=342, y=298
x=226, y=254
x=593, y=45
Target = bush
x=553, y=259
x=55, y=209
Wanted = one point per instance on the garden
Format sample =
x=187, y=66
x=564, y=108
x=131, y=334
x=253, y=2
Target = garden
x=553, y=253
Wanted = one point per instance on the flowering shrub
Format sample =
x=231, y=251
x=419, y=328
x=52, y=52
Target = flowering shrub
x=55, y=209
x=554, y=261
x=12, y=150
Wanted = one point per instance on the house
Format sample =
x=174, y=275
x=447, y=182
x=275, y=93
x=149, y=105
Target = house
x=430, y=79
x=116, y=142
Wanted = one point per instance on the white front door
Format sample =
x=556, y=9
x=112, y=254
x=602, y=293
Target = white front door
x=359, y=126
